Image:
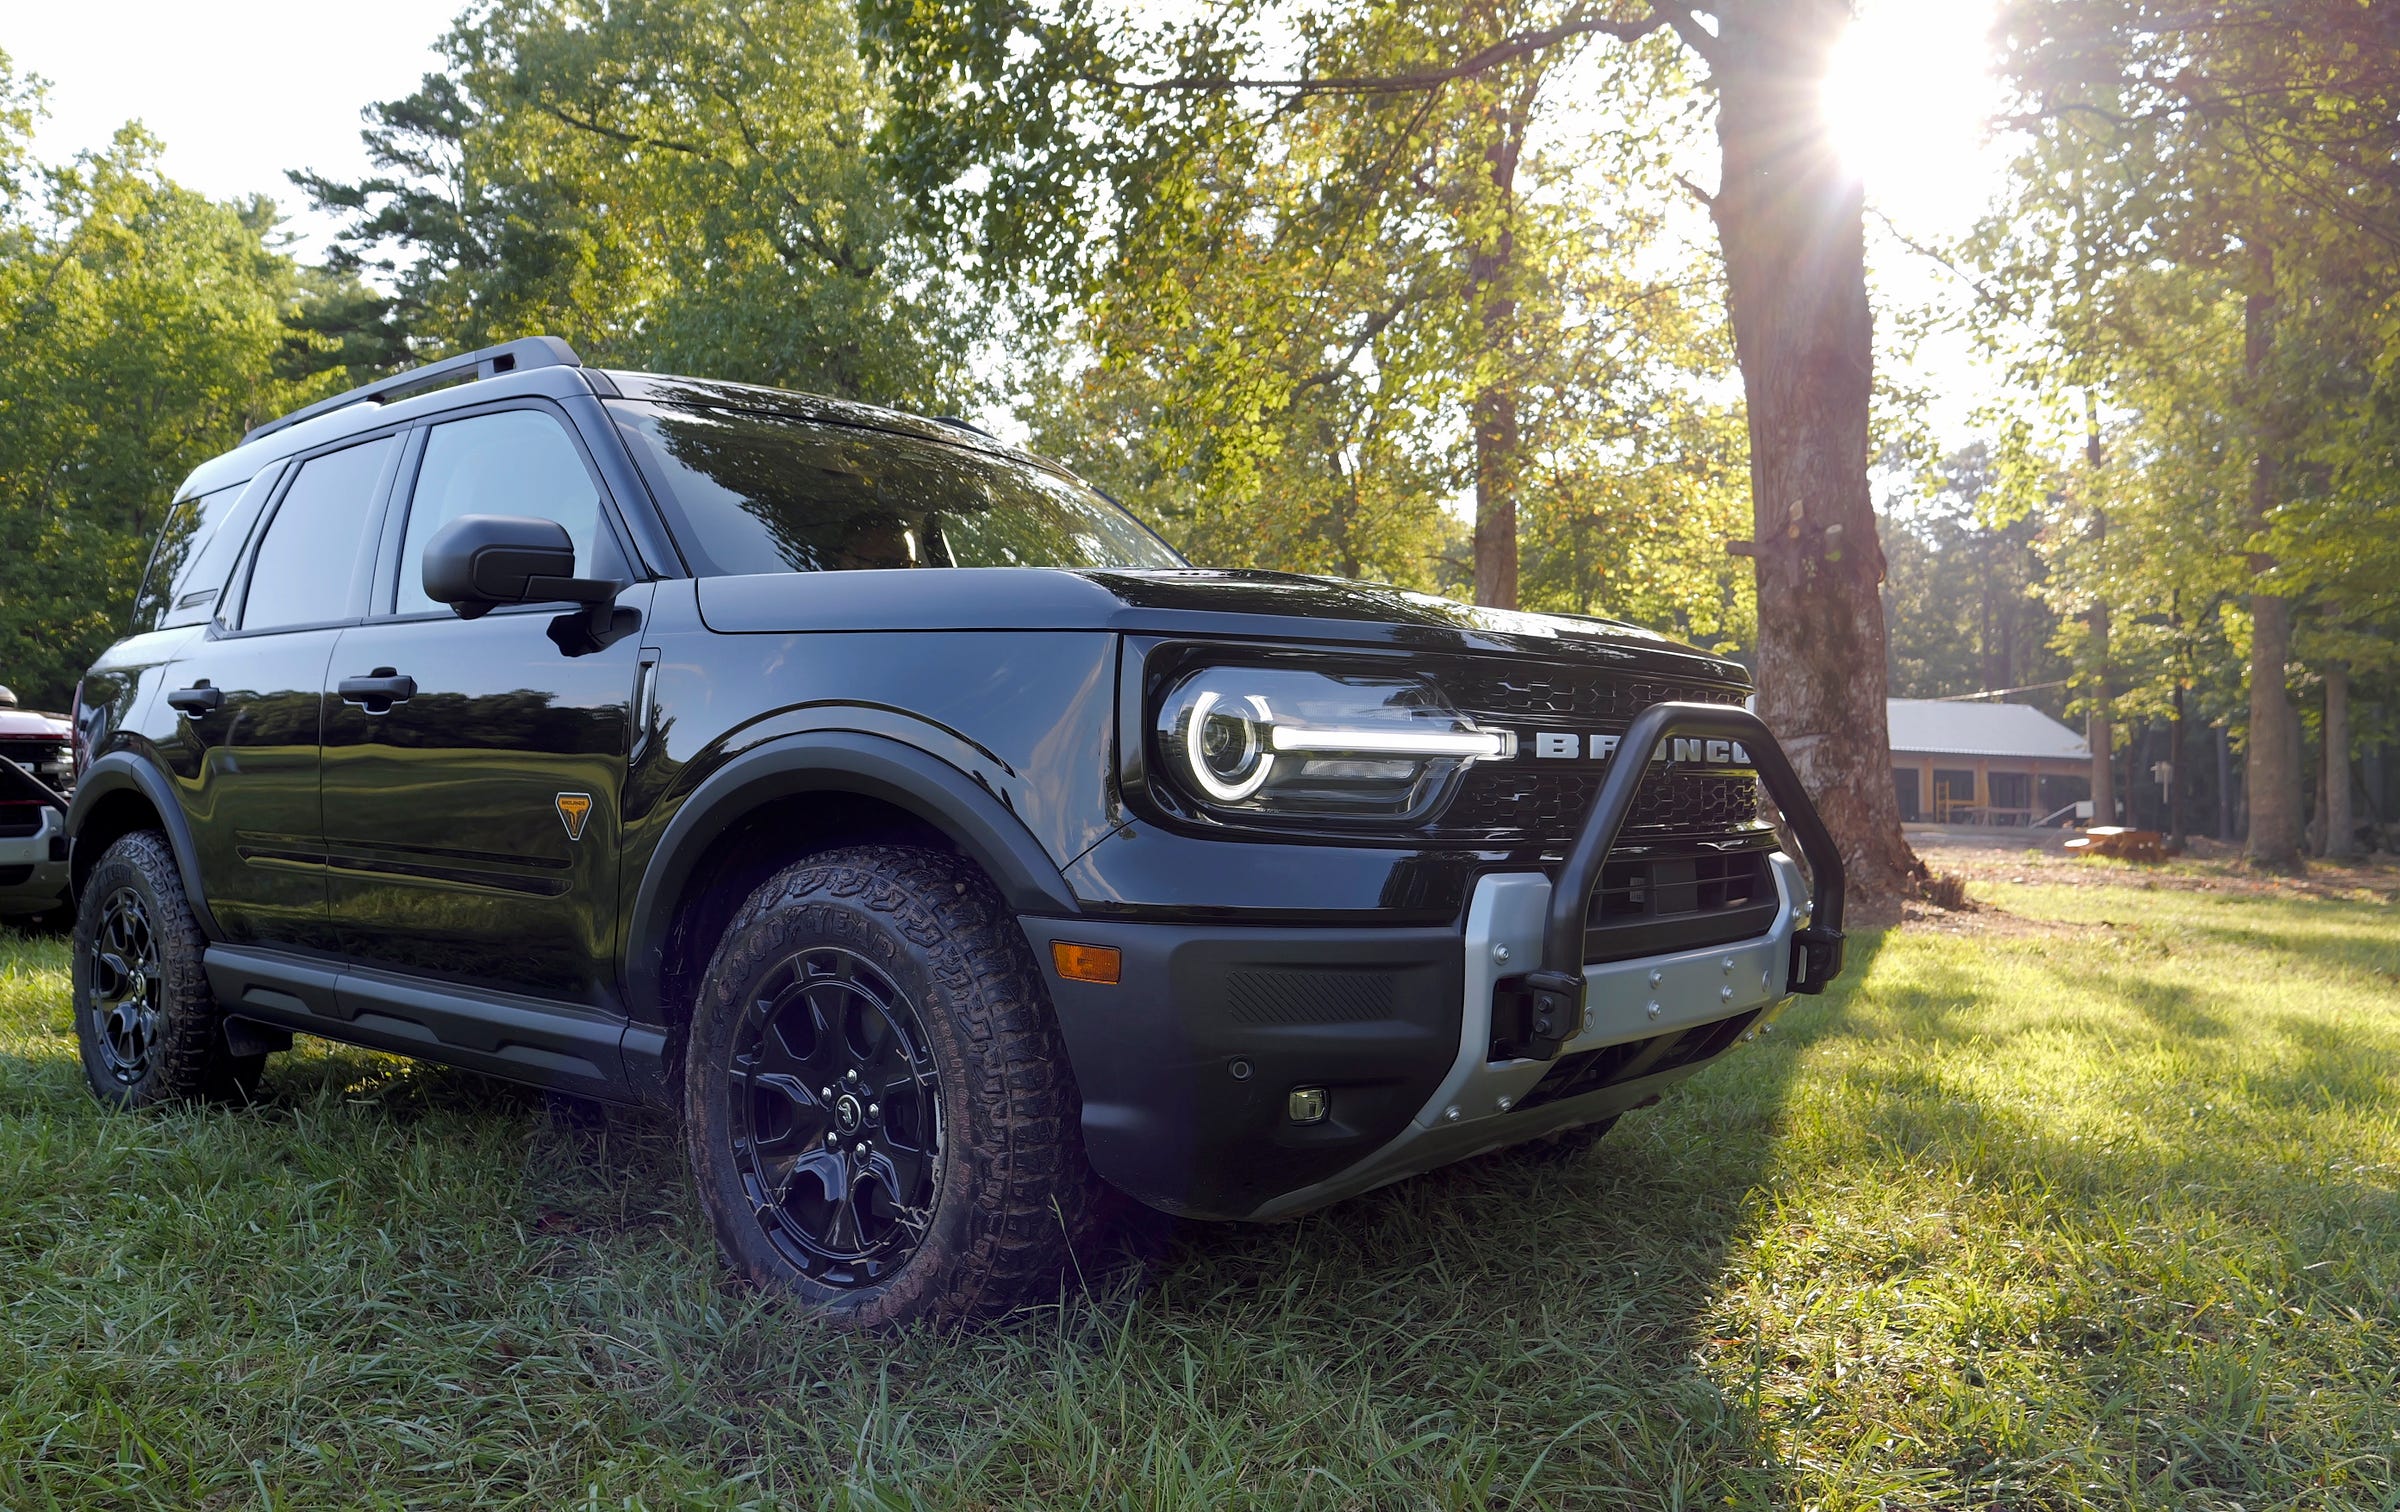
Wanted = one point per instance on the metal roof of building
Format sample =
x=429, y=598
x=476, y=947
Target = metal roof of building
x=1934, y=728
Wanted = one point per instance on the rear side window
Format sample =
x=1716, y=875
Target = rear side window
x=750, y=492
x=510, y=462
x=196, y=553
x=307, y=565
x=191, y=525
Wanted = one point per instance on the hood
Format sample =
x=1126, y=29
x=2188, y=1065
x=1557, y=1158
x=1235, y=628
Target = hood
x=1279, y=606
x=20, y=724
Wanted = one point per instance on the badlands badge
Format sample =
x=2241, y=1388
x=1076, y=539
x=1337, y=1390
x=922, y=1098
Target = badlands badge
x=573, y=810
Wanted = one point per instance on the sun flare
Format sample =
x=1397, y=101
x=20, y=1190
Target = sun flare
x=1906, y=99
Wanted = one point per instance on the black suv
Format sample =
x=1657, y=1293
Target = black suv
x=588, y=728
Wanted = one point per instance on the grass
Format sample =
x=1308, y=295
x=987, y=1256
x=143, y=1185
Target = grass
x=2093, y=1211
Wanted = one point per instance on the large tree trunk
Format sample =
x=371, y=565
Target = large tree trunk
x=1493, y=413
x=2273, y=765
x=1791, y=223
x=2340, y=842
x=2099, y=731
x=2177, y=778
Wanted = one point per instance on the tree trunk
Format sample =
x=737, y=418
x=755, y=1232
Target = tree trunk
x=2099, y=732
x=2340, y=841
x=1791, y=222
x=2225, y=785
x=2176, y=780
x=1493, y=412
x=2273, y=765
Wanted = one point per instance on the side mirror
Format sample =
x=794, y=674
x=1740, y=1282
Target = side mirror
x=478, y=562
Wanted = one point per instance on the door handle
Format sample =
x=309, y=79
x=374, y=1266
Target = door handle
x=378, y=690
x=196, y=700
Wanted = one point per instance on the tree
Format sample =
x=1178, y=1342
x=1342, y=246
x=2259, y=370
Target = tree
x=1070, y=128
x=689, y=185
x=2253, y=147
x=143, y=328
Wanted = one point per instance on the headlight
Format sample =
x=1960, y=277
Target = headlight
x=1284, y=741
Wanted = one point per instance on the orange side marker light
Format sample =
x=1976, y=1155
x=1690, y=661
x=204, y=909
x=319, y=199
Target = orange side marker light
x=1099, y=964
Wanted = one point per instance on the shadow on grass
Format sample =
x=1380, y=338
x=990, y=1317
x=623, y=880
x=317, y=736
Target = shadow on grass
x=1518, y=1328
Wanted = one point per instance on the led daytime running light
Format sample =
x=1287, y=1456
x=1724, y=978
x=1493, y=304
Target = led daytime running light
x=1467, y=745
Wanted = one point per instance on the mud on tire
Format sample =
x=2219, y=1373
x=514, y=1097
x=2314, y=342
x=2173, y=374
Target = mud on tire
x=878, y=1110
x=148, y=1027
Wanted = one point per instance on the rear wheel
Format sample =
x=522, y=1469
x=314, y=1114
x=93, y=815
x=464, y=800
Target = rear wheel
x=879, y=1113
x=145, y=1020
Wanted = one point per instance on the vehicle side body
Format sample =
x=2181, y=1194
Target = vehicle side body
x=522, y=861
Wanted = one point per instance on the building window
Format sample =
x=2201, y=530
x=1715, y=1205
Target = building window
x=1904, y=787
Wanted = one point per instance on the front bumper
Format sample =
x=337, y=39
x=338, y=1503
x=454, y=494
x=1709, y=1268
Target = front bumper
x=33, y=868
x=1186, y=1065
x=1428, y=1045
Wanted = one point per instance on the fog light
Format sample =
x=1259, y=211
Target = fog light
x=1307, y=1105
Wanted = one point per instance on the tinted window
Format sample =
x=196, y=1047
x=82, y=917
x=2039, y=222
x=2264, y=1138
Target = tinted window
x=512, y=462
x=304, y=568
x=189, y=560
x=759, y=493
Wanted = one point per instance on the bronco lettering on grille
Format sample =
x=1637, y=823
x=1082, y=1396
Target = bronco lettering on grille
x=1563, y=745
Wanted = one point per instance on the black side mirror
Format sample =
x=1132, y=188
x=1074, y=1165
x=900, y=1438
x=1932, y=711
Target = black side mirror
x=478, y=562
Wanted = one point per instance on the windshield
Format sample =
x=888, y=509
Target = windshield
x=748, y=492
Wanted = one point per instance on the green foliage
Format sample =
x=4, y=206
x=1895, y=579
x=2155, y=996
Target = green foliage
x=143, y=327
x=686, y=185
x=2192, y=278
x=1282, y=311
x=1964, y=603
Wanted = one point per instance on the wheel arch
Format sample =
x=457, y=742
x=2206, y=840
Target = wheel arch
x=118, y=794
x=778, y=801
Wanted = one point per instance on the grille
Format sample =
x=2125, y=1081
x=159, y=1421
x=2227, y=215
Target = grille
x=1501, y=803
x=1591, y=1070
x=1521, y=800
x=1648, y=904
x=1556, y=698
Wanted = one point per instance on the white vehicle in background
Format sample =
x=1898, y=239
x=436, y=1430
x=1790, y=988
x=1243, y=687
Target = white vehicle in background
x=36, y=780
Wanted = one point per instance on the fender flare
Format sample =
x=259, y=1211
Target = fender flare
x=836, y=761
x=124, y=770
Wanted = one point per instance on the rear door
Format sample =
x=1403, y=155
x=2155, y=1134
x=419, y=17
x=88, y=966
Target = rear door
x=473, y=768
x=247, y=699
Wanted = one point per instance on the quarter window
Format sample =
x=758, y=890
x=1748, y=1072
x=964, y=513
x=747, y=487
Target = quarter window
x=309, y=560
x=510, y=462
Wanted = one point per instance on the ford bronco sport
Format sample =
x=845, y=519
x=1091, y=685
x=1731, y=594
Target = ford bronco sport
x=595, y=729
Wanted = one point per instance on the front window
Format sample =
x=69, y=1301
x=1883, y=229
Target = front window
x=751, y=492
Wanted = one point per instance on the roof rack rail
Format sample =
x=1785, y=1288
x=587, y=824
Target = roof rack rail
x=508, y=357
x=966, y=425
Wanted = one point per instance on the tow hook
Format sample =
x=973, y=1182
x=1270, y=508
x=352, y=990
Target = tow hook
x=1534, y=1015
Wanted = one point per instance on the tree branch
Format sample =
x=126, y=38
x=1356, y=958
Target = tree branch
x=1506, y=50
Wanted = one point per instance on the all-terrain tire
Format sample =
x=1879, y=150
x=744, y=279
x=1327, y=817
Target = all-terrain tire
x=911, y=950
x=149, y=1029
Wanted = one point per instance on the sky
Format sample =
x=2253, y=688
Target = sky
x=241, y=90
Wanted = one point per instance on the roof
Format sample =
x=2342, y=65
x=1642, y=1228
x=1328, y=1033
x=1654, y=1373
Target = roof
x=1937, y=728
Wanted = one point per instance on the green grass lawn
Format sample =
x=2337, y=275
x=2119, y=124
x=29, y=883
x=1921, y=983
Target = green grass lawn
x=2098, y=1211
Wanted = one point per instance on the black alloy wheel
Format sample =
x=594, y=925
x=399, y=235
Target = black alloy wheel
x=122, y=986
x=146, y=1022
x=879, y=1113
x=835, y=1110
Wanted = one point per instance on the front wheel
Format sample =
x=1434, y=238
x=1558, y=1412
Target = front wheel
x=879, y=1113
x=145, y=1019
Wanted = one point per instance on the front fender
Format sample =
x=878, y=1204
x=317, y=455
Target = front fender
x=836, y=761
x=121, y=771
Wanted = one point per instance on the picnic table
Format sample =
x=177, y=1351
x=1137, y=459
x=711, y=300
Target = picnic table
x=2122, y=843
